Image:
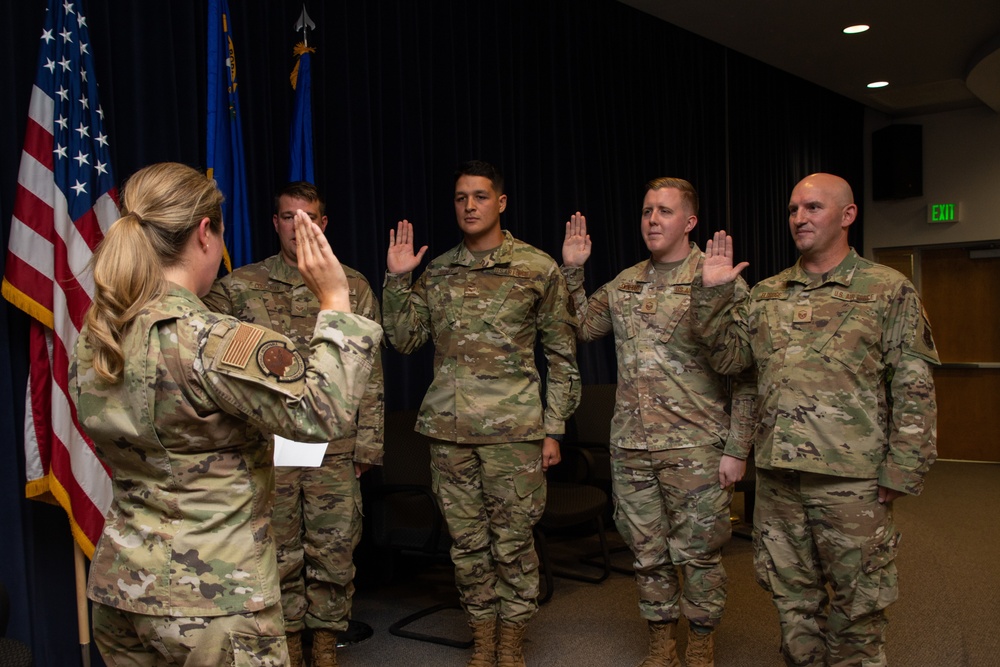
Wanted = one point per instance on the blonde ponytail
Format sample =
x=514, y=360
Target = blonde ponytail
x=162, y=205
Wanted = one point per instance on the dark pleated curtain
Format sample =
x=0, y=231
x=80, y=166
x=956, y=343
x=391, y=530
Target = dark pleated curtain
x=580, y=102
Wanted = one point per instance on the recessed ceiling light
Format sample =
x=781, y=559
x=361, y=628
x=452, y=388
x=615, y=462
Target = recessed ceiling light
x=878, y=84
x=855, y=29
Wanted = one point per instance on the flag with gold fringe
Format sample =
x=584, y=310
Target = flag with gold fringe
x=65, y=201
x=225, y=135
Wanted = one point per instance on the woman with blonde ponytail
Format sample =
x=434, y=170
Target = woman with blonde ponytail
x=181, y=403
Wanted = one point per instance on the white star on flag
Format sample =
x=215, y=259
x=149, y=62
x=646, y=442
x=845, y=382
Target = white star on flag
x=62, y=207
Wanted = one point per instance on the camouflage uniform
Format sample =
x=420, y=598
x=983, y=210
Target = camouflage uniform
x=484, y=407
x=240, y=640
x=187, y=533
x=669, y=429
x=846, y=405
x=317, y=511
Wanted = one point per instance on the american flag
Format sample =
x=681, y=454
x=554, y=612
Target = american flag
x=65, y=200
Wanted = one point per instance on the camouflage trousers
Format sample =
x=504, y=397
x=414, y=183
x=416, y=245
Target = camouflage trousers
x=491, y=497
x=238, y=640
x=816, y=531
x=674, y=517
x=317, y=525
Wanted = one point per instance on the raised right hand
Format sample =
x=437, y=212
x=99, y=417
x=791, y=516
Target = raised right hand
x=401, y=258
x=576, y=245
x=321, y=270
x=718, y=268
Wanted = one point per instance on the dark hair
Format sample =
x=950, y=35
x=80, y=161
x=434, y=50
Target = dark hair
x=688, y=193
x=480, y=168
x=300, y=190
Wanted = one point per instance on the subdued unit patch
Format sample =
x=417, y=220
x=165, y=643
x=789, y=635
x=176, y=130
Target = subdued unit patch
x=277, y=360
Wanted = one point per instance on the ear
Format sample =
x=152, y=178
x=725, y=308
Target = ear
x=204, y=232
x=503, y=202
x=321, y=223
x=274, y=219
x=691, y=222
x=850, y=213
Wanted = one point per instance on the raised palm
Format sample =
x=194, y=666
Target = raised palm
x=718, y=267
x=401, y=258
x=576, y=245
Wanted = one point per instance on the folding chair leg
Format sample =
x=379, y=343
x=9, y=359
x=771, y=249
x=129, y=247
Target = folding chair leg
x=398, y=630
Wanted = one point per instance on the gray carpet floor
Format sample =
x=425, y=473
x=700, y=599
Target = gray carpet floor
x=948, y=613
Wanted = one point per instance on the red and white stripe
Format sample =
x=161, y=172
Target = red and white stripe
x=47, y=276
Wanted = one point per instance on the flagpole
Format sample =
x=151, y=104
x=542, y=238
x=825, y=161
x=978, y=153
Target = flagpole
x=82, y=616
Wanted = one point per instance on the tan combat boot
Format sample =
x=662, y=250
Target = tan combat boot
x=484, y=649
x=510, y=650
x=700, y=650
x=324, y=649
x=294, y=641
x=662, y=646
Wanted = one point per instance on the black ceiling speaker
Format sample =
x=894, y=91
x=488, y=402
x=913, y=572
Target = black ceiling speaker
x=897, y=162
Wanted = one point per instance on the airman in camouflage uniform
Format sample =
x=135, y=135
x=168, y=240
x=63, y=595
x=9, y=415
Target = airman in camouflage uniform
x=671, y=424
x=178, y=405
x=484, y=304
x=846, y=422
x=317, y=511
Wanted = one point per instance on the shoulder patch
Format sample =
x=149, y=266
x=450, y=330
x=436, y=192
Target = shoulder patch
x=923, y=341
x=277, y=360
x=241, y=346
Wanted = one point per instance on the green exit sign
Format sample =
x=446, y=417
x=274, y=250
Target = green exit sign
x=942, y=212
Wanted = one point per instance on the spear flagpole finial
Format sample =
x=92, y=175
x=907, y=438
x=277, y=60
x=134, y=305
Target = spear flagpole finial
x=305, y=24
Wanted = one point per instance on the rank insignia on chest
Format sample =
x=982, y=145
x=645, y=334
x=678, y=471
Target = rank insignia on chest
x=630, y=286
x=648, y=306
x=277, y=360
x=803, y=314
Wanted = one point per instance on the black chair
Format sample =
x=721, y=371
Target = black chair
x=13, y=653
x=404, y=519
x=590, y=429
x=571, y=504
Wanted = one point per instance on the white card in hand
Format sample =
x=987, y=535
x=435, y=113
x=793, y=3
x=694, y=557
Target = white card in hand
x=289, y=453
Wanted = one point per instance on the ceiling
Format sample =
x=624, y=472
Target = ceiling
x=936, y=56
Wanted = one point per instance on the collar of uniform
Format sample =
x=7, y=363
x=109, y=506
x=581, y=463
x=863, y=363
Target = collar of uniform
x=682, y=275
x=177, y=292
x=502, y=255
x=842, y=274
x=278, y=270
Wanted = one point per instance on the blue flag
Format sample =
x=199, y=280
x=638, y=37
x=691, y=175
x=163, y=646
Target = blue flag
x=300, y=165
x=225, y=135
